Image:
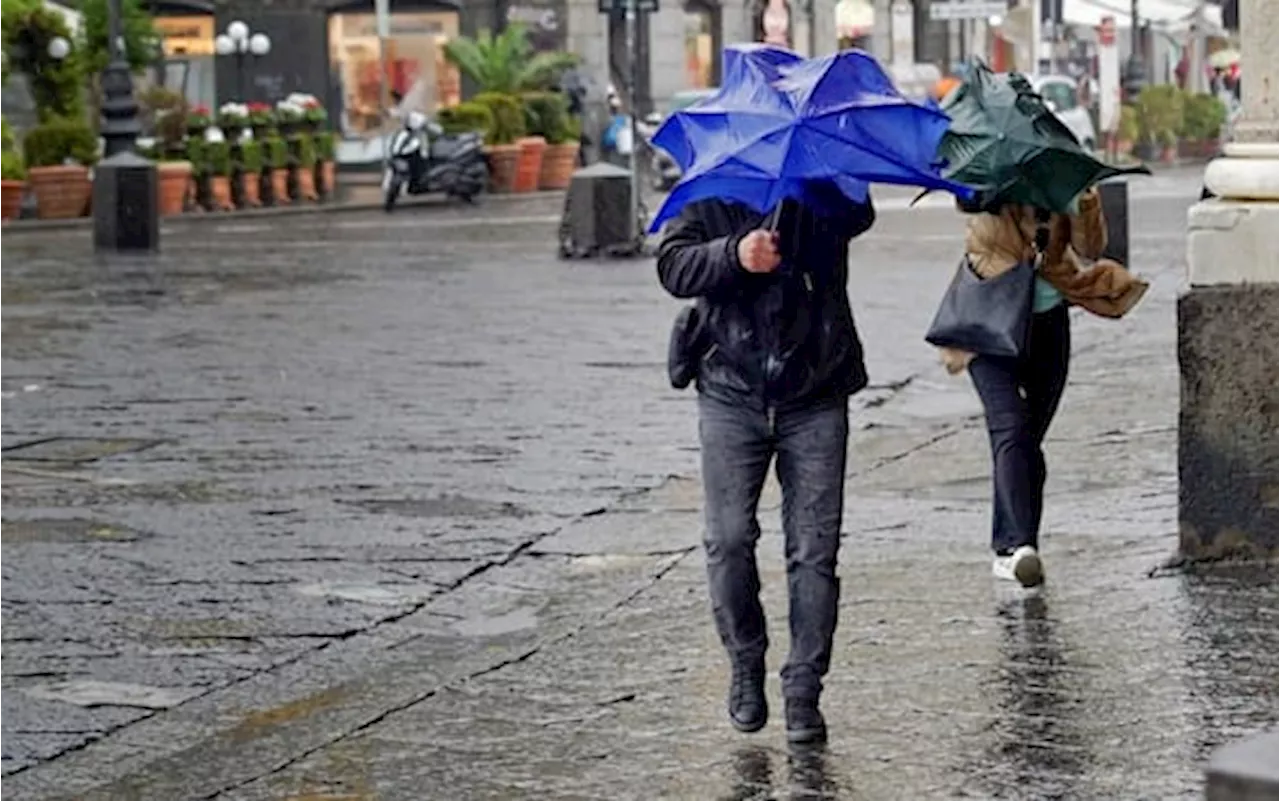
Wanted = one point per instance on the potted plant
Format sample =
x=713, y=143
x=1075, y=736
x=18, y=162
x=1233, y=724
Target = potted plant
x=14, y=174
x=233, y=119
x=289, y=117
x=548, y=114
x=467, y=117
x=304, y=155
x=1168, y=146
x=198, y=120
x=1202, y=121
x=219, y=161
x=326, y=175
x=173, y=175
x=262, y=118
x=1160, y=111
x=58, y=154
x=501, y=146
x=250, y=171
x=313, y=114
x=275, y=155
x=504, y=66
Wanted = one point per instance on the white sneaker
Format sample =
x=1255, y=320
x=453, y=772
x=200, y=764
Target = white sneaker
x=1023, y=566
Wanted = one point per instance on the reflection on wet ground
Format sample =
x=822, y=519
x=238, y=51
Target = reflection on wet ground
x=423, y=524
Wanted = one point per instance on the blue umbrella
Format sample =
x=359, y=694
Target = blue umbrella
x=755, y=65
x=780, y=125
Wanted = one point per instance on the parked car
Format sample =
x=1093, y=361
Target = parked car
x=1059, y=92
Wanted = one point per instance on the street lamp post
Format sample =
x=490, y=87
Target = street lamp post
x=239, y=42
x=125, y=202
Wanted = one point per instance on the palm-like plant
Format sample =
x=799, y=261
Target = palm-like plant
x=506, y=63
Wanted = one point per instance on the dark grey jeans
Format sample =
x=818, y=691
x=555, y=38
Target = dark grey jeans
x=738, y=445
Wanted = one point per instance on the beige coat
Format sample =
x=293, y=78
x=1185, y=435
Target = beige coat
x=994, y=243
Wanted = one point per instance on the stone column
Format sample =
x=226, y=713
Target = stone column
x=1227, y=324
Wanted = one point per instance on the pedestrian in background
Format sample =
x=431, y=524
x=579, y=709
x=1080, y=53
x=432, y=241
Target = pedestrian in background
x=775, y=356
x=1020, y=395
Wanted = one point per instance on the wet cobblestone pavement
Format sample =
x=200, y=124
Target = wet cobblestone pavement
x=350, y=507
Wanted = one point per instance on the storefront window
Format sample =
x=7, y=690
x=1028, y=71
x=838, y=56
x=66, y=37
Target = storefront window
x=189, y=57
x=418, y=76
x=699, y=48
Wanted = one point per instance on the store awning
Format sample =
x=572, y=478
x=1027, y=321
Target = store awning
x=1167, y=14
x=854, y=18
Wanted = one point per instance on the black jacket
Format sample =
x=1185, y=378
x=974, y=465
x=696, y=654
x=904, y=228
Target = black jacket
x=779, y=340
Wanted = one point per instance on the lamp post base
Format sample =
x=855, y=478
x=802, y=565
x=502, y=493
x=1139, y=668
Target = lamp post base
x=126, y=204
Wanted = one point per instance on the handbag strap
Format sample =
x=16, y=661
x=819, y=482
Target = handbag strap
x=1040, y=242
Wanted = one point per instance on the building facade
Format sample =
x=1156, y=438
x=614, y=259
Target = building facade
x=330, y=48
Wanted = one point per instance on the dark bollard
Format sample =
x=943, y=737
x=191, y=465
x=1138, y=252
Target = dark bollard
x=126, y=204
x=126, y=197
x=596, y=209
x=1244, y=771
x=1114, y=195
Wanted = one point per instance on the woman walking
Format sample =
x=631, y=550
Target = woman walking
x=1020, y=394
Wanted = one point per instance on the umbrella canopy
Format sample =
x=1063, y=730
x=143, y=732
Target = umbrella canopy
x=1005, y=143
x=1224, y=59
x=781, y=125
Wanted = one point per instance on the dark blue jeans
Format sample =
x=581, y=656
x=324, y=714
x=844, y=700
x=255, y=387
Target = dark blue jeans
x=1020, y=397
x=738, y=446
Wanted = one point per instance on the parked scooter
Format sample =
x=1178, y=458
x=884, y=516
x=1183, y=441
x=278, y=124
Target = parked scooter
x=663, y=172
x=424, y=159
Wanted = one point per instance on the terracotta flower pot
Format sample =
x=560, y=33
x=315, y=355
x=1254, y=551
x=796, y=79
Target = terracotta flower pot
x=558, y=164
x=280, y=186
x=306, y=188
x=175, y=180
x=529, y=165
x=61, y=192
x=1169, y=154
x=250, y=190
x=220, y=193
x=12, y=198
x=503, y=161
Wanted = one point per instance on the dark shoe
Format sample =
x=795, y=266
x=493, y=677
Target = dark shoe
x=804, y=722
x=748, y=711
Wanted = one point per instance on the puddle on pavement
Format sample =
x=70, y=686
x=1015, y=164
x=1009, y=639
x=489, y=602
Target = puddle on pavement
x=105, y=693
x=65, y=531
x=442, y=506
x=497, y=625
x=76, y=450
x=375, y=594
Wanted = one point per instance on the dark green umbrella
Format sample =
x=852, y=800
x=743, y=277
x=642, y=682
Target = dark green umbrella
x=1006, y=143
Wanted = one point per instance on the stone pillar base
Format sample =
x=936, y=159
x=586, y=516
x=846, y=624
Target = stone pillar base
x=1227, y=354
x=1244, y=771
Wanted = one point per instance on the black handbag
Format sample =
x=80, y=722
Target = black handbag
x=685, y=351
x=988, y=316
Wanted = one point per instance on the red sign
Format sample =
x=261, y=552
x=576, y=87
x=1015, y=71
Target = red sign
x=1107, y=31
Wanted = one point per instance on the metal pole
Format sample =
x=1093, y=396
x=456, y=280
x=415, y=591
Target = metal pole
x=120, y=126
x=633, y=73
x=240, y=48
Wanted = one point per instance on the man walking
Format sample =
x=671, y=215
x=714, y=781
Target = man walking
x=777, y=359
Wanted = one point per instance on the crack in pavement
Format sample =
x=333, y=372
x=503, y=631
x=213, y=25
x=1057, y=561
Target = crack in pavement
x=494, y=667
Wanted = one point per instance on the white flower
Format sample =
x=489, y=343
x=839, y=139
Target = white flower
x=234, y=109
x=289, y=106
x=301, y=99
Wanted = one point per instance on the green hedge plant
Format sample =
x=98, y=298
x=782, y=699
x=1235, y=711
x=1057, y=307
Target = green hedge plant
x=12, y=167
x=305, y=148
x=326, y=146
x=467, y=118
x=1203, y=117
x=251, y=157
x=508, y=117
x=547, y=115
x=56, y=86
x=58, y=141
x=218, y=155
x=275, y=153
